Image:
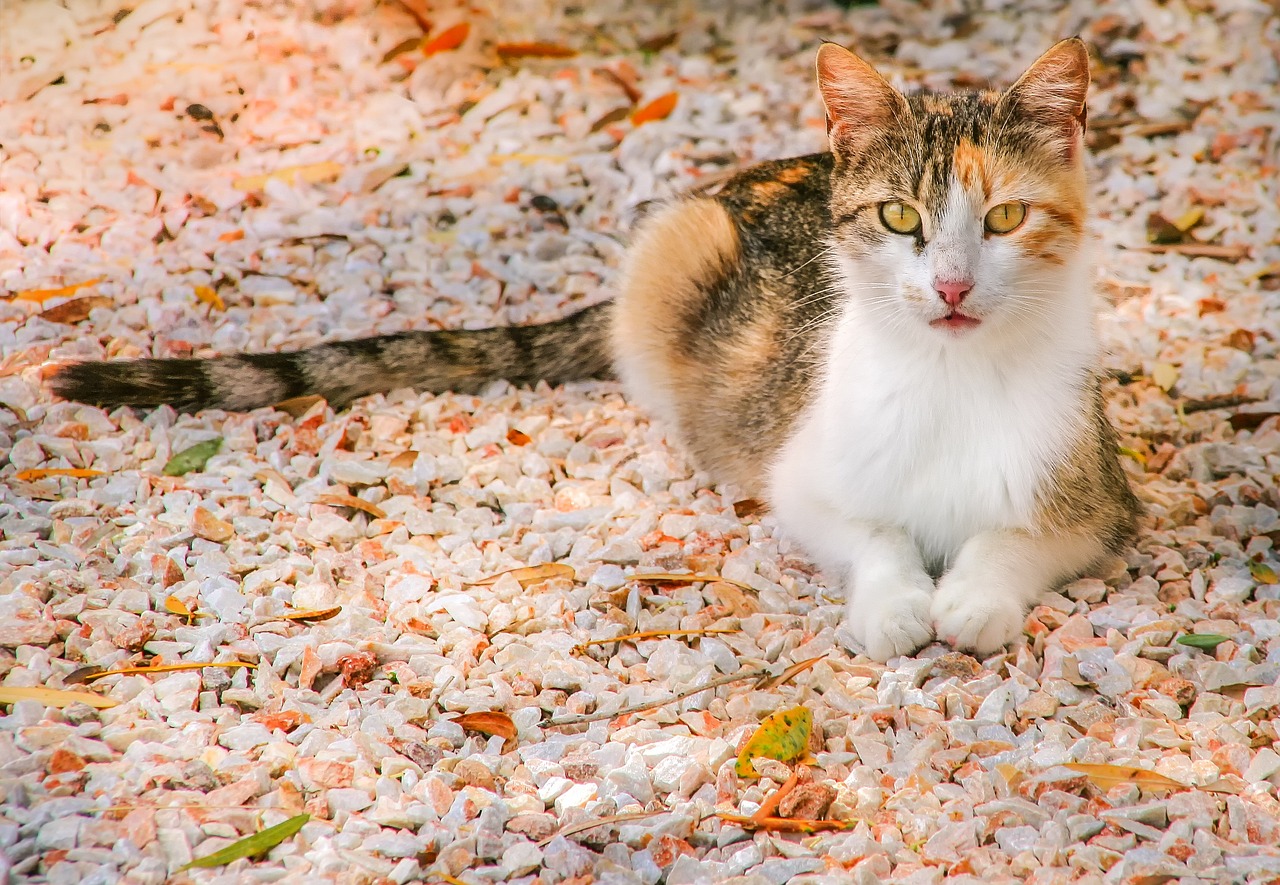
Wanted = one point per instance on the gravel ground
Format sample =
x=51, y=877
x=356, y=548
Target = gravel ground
x=470, y=187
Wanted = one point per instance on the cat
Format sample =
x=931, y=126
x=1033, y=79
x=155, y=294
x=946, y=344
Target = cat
x=893, y=343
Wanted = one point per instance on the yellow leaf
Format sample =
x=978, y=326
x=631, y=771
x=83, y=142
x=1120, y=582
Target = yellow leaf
x=53, y=697
x=206, y=295
x=1189, y=219
x=40, y=296
x=42, y=472
x=532, y=574
x=1263, y=573
x=658, y=109
x=1107, y=776
x=1164, y=375
x=311, y=173
x=783, y=736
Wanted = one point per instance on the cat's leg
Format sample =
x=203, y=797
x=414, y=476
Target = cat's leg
x=886, y=584
x=981, y=603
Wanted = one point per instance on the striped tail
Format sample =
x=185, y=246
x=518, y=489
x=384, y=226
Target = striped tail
x=574, y=348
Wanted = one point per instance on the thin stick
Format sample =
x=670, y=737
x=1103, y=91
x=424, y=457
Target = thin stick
x=603, y=822
x=1227, y=401
x=580, y=718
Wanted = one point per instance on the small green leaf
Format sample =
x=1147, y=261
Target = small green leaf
x=193, y=458
x=1203, y=641
x=250, y=846
x=1263, y=573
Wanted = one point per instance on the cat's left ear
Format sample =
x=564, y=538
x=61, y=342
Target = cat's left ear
x=860, y=103
x=1052, y=93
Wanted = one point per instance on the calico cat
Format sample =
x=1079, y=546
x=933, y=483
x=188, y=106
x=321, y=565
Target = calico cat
x=893, y=343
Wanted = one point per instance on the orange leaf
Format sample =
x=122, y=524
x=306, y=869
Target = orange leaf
x=75, y=310
x=450, y=38
x=535, y=49
x=658, y=109
x=208, y=296
x=518, y=437
x=42, y=472
x=337, y=499
x=231, y=236
x=1107, y=776
x=40, y=296
x=492, y=722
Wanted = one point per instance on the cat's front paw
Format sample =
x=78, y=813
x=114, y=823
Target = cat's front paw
x=892, y=623
x=977, y=614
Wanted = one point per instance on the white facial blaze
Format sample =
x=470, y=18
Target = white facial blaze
x=955, y=250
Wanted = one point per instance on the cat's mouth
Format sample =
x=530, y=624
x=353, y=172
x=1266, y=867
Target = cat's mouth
x=956, y=322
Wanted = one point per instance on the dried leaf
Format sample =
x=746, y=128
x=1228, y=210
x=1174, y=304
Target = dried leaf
x=1105, y=777
x=658, y=42
x=337, y=499
x=787, y=675
x=749, y=507
x=786, y=824
x=1203, y=250
x=534, y=49
x=81, y=675
x=76, y=310
x=1244, y=420
x=192, y=458
x=311, y=173
x=43, y=472
x=206, y=295
x=1164, y=375
x=1162, y=231
x=532, y=574
x=1203, y=641
x=211, y=528
x=449, y=38
x=40, y=296
x=617, y=115
x=783, y=736
x=250, y=846
x=312, y=614
x=693, y=578
x=148, y=669
x=407, y=45
x=380, y=175
x=658, y=109
x=518, y=437
x=491, y=722
x=53, y=697
x=1263, y=573
x=1242, y=339
x=298, y=406
x=1270, y=270
x=654, y=634
x=231, y=236
x=176, y=606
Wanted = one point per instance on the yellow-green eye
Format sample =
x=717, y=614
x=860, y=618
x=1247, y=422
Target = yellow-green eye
x=1006, y=217
x=900, y=218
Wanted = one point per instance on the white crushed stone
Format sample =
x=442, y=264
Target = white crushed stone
x=939, y=764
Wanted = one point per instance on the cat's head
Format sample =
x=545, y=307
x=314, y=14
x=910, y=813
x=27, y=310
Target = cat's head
x=956, y=215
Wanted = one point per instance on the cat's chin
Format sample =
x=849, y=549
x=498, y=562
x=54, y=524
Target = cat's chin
x=956, y=323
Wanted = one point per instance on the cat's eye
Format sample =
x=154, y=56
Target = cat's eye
x=1006, y=217
x=900, y=218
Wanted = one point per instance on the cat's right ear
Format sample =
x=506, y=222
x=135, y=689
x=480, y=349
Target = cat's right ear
x=860, y=103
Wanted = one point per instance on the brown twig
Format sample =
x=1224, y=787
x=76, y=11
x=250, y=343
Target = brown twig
x=1209, y=403
x=1202, y=250
x=582, y=718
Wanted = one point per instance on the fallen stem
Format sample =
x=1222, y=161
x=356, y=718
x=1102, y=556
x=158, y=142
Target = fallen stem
x=784, y=824
x=770, y=805
x=1227, y=401
x=655, y=634
x=581, y=718
x=603, y=822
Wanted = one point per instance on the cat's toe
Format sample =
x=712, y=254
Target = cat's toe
x=891, y=626
x=976, y=615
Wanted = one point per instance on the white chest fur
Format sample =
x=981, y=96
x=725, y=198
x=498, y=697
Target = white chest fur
x=942, y=441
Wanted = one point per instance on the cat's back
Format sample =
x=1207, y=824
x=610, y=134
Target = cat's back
x=725, y=301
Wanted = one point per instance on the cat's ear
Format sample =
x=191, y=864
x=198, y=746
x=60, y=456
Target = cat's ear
x=860, y=103
x=1052, y=93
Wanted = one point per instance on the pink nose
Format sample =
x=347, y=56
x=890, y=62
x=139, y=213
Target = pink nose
x=953, y=291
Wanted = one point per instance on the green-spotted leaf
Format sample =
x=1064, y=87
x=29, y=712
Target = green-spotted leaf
x=251, y=846
x=783, y=736
x=1203, y=641
x=1263, y=573
x=193, y=458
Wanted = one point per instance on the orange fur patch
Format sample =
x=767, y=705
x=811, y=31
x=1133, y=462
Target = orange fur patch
x=937, y=105
x=794, y=174
x=971, y=166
